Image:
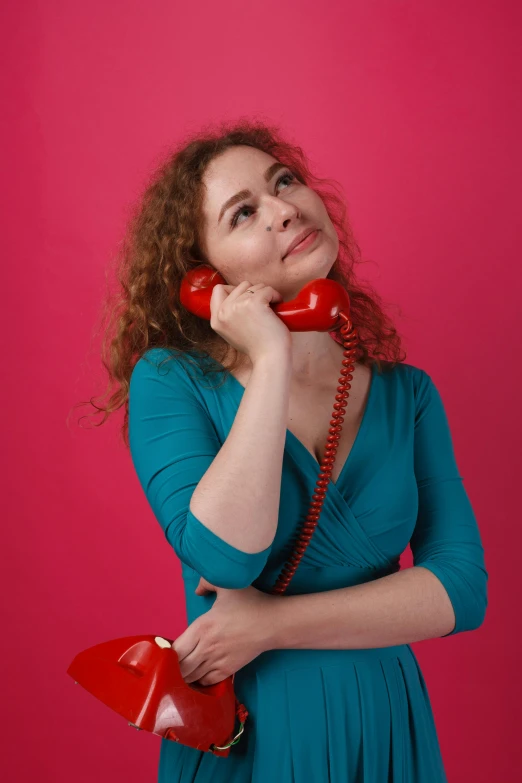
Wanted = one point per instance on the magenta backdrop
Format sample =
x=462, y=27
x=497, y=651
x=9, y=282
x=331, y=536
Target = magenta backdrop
x=415, y=108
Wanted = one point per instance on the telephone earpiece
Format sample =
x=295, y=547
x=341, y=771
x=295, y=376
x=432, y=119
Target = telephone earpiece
x=316, y=308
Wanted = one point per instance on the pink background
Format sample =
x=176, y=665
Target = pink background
x=415, y=108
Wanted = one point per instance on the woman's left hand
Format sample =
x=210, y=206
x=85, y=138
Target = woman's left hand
x=236, y=629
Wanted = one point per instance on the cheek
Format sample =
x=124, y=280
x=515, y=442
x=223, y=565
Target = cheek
x=246, y=259
x=328, y=227
x=320, y=209
x=258, y=253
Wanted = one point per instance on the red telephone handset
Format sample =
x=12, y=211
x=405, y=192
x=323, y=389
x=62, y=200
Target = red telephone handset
x=139, y=677
x=316, y=308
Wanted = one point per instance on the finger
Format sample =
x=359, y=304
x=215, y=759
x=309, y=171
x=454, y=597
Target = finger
x=197, y=673
x=194, y=665
x=184, y=645
x=212, y=678
x=241, y=288
x=202, y=590
x=205, y=587
x=217, y=297
x=193, y=669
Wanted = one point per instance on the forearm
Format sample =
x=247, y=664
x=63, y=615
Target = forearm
x=401, y=608
x=238, y=497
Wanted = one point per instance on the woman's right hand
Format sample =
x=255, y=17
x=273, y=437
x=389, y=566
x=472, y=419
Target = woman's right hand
x=246, y=321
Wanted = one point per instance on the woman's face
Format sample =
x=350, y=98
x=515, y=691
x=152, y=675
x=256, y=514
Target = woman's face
x=236, y=239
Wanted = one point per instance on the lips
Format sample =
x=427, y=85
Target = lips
x=299, y=238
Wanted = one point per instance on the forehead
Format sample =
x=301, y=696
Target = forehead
x=235, y=169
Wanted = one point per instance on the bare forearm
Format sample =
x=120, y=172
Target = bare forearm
x=238, y=496
x=401, y=608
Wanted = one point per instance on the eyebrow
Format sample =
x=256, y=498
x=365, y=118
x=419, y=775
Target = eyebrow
x=269, y=173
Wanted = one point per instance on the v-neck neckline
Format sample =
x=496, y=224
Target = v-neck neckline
x=291, y=438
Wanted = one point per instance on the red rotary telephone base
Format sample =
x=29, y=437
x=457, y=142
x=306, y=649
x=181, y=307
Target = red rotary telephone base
x=139, y=677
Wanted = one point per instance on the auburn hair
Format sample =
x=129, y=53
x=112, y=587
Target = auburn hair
x=163, y=241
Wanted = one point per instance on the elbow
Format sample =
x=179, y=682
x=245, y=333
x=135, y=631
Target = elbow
x=467, y=589
x=222, y=572
x=217, y=561
x=474, y=598
x=478, y=607
x=471, y=615
x=230, y=579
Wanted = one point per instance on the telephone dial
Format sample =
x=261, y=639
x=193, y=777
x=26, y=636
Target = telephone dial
x=139, y=677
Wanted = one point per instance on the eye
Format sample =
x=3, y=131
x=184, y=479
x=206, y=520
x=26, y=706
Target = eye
x=233, y=220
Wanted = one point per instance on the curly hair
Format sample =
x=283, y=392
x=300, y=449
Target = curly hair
x=163, y=241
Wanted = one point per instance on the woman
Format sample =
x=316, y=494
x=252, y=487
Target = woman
x=326, y=672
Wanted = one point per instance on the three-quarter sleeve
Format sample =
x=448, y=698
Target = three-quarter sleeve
x=172, y=442
x=446, y=539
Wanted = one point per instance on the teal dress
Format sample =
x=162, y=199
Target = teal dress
x=316, y=716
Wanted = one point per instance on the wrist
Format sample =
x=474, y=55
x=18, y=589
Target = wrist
x=279, y=356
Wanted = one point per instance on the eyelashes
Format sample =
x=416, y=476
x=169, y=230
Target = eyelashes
x=234, y=217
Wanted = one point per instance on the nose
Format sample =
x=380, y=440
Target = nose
x=287, y=214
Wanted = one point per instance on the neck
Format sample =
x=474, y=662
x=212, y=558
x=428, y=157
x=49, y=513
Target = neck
x=314, y=355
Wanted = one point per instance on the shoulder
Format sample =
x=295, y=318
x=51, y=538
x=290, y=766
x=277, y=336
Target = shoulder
x=161, y=367
x=410, y=384
x=426, y=399
x=168, y=374
x=161, y=361
x=405, y=374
